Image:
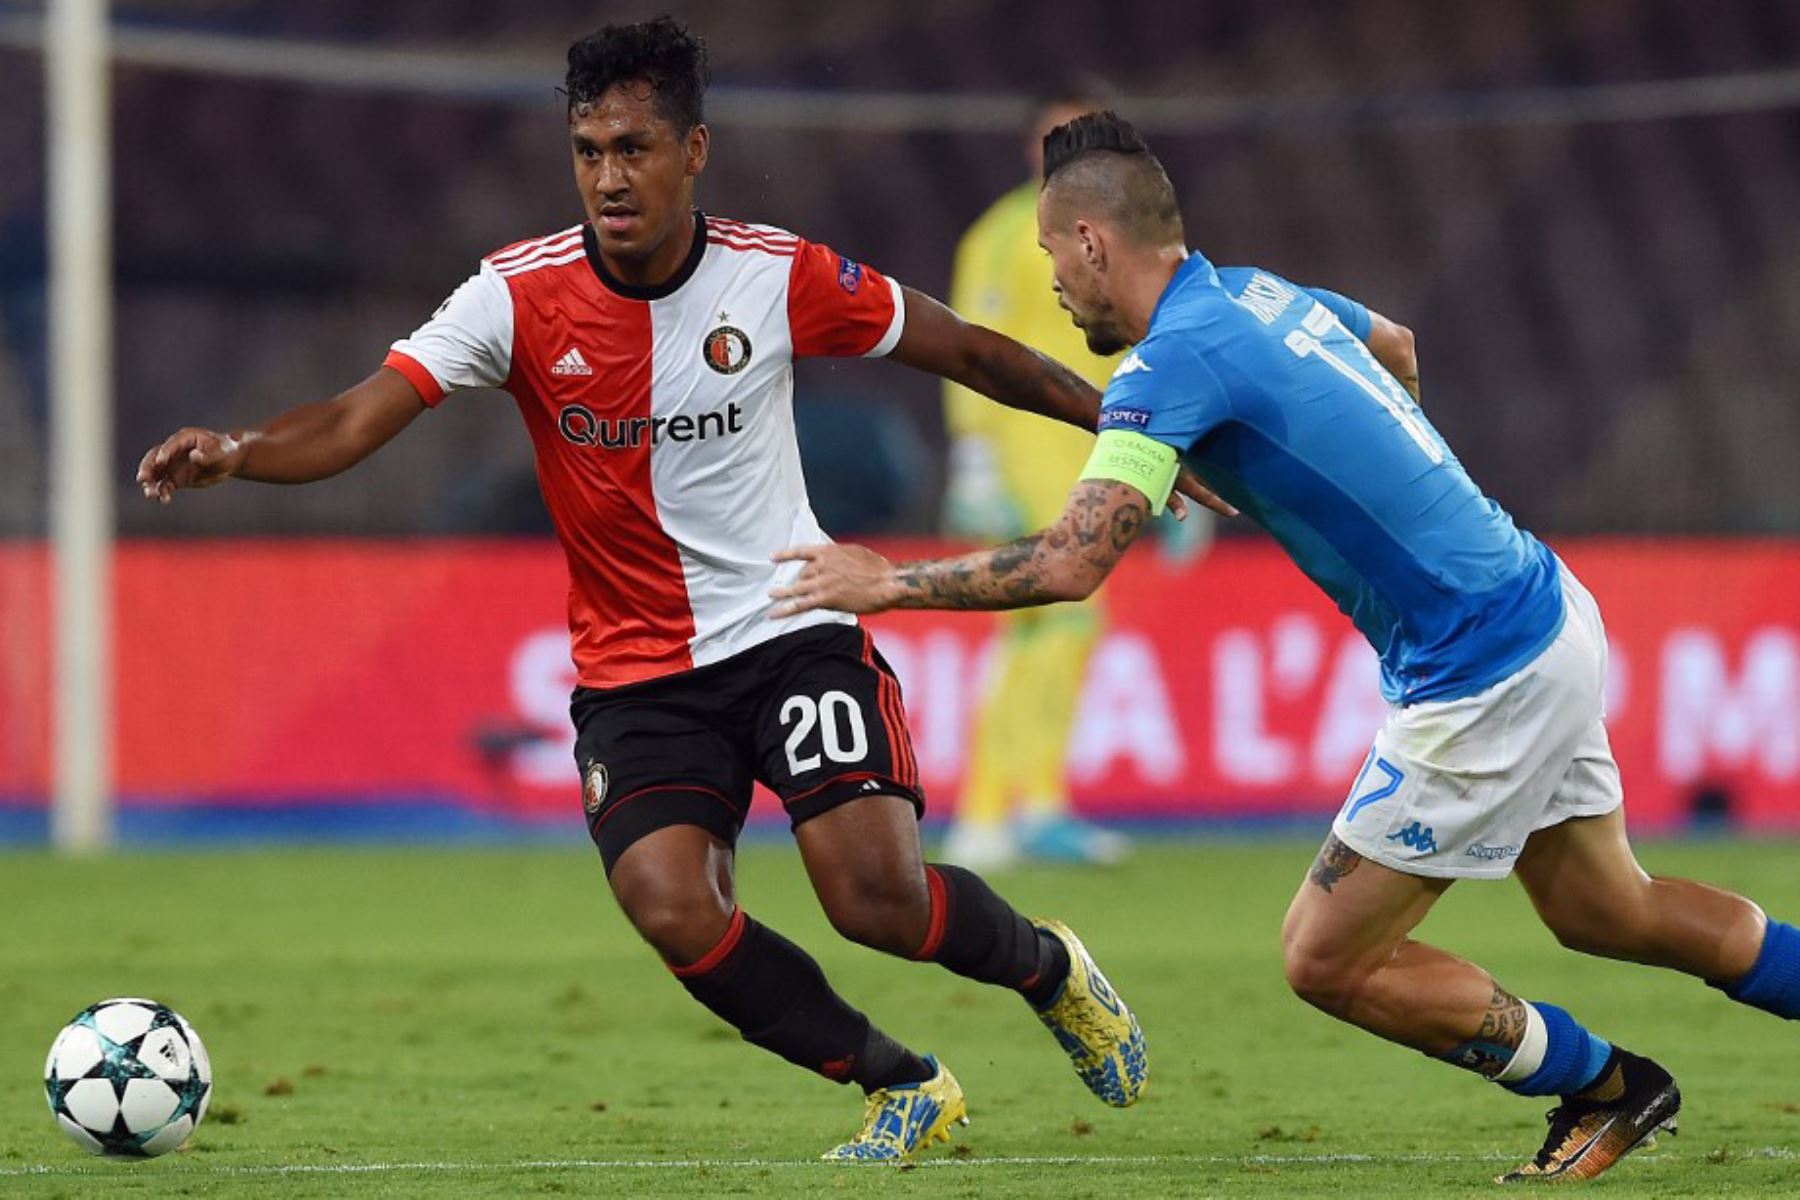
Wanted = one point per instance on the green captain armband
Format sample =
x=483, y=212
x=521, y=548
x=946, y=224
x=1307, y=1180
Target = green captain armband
x=1146, y=464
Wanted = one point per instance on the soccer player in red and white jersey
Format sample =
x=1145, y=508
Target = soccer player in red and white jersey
x=650, y=350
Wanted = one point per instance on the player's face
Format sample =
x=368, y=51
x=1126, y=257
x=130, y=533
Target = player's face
x=1079, y=282
x=636, y=172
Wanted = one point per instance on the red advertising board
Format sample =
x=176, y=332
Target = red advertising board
x=273, y=674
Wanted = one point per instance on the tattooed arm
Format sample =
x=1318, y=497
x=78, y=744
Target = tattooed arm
x=1067, y=561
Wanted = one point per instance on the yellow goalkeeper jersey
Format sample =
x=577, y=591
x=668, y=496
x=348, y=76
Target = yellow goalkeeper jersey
x=1002, y=280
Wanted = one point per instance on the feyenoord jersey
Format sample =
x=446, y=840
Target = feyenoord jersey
x=663, y=424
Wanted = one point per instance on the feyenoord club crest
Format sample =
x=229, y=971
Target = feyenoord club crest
x=726, y=350
x=593, y=788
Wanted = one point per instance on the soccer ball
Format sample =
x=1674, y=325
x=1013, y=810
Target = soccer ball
x=128, y=1078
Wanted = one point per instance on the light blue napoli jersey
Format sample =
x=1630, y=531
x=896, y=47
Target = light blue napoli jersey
x=1271, y=391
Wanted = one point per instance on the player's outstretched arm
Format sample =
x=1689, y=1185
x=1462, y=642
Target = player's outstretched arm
x=935, y=339
x=1067, y=561
x=312, y=441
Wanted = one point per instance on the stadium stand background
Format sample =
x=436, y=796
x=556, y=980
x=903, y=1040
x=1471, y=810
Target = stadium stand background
x=1606, y=309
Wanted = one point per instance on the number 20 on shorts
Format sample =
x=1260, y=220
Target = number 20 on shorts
x=836, y=717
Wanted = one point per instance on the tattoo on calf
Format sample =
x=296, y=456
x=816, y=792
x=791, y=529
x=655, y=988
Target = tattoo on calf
x=1335, y=861
x=1495, y=1043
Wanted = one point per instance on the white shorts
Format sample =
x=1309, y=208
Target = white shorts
x=1453, y=789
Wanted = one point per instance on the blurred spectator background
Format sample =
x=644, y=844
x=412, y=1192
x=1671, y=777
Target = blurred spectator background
x=1586, y=211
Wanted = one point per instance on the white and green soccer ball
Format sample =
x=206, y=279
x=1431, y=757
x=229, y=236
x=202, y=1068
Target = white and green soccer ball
x=128, y=1078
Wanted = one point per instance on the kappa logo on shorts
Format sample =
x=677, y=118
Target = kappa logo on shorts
x=593, y=788
x=1492, y=853
x=1416, y=837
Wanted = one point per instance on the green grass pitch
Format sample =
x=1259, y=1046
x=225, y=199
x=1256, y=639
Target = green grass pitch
x=482, y=1023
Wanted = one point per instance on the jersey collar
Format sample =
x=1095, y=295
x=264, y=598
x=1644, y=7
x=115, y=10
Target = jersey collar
x=1194, y=264
x=653, y=291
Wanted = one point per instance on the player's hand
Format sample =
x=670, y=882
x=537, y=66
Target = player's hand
x=851, y=579
x=1191, y=485
x=190, y=458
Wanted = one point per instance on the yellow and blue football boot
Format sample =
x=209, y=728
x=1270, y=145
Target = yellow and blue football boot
x=1094, y=1026
x=899, y=1121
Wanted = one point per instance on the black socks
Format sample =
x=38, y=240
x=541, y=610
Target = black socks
x=776, y=996
x=979, y=936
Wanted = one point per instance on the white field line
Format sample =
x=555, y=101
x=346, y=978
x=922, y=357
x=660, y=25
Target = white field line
x=762, y=1164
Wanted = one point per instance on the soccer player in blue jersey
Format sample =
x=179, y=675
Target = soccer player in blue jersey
x=1493, y=759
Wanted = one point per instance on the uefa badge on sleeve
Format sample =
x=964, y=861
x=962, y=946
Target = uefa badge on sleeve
x=726, y=350
x=593, y=788
x=849, y=275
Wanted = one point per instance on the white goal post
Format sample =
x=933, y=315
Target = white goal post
x=78, y=102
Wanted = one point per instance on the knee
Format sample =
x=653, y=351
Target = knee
x=890, y=915
x=681, y=924
x=1328, y=982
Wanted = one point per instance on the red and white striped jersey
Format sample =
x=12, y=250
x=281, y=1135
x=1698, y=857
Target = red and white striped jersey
x=663, y=423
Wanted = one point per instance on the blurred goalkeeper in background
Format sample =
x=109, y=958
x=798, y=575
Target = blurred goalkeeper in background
x=1008, y=475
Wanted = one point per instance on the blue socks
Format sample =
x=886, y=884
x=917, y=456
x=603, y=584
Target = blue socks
x=1773, y=984
x=1573, y=1057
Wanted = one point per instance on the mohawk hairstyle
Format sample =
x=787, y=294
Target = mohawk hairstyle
x=660, y=52
x=1098, y=161
x=1091, y=133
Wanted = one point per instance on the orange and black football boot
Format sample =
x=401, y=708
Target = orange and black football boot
x=1594, y=1129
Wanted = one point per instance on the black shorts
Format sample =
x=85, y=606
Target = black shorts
x=813, y=715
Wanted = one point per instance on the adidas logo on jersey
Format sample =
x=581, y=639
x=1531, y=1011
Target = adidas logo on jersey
x=571, y=363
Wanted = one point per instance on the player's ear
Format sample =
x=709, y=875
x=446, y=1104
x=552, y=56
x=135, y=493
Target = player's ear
x=1093, y=246
x=699, y=142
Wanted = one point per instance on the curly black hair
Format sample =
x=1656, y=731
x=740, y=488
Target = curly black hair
x=1095, y=131
x=660, y=52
